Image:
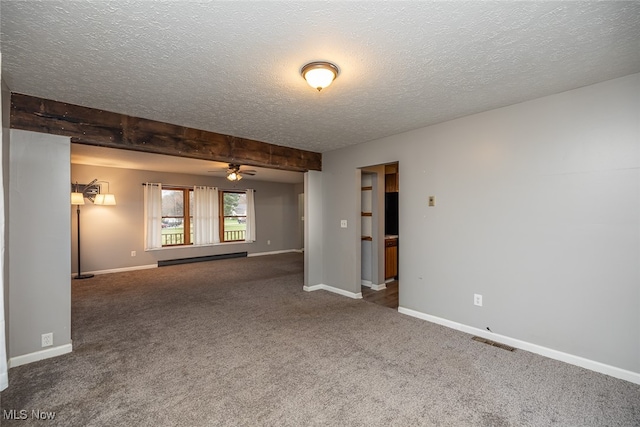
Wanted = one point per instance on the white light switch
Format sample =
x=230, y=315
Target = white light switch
x=343, y=223
x=432, y=200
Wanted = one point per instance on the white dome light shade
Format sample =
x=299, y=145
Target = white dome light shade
x=319, y=75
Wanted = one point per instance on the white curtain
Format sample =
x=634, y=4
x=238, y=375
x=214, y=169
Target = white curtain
x=152, y=215
x=206, y=222
x=251, y=217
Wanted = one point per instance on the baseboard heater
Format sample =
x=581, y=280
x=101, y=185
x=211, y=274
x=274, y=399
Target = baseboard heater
x=493, y=343
x=201, y=259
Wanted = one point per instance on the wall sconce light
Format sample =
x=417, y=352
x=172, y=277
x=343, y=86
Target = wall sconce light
x=106, y=199
x=319, y=74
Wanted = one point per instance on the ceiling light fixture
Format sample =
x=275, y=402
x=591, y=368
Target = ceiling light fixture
x=233, y=173
x=319, y=74
x=234, y=176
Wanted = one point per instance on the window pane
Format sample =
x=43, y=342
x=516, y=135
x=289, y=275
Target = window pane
x=191, y=224
x=173, y=217
x=241, y=209
x=230, y=203
x=172, y=231
x=172, y=203
x=235, y=204
x=235, y=228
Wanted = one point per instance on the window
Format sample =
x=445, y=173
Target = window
x=182, y=216
x=233, y=216
x=177, y=205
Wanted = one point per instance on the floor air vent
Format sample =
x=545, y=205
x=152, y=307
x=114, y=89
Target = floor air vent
x=493, y=343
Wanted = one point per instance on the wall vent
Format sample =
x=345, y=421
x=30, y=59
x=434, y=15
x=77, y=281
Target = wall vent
x=493, y=343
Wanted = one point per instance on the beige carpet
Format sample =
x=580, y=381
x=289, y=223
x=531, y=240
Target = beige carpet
x=237, y=342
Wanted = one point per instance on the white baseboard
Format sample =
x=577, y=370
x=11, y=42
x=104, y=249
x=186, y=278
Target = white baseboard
x=369, y=284
x=285, y=251
x=39, y=355
x=334, y=290
x=4, y=380
x=633, y=377
x=118, y=270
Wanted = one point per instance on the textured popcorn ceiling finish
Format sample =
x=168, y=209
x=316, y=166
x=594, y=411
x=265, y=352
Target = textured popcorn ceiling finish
x=233, y=67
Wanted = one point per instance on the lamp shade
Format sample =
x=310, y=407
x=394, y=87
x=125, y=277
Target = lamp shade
x=109, y=199
x=77, y=199
x=106, y=199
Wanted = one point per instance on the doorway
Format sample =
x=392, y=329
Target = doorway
x=379, y=205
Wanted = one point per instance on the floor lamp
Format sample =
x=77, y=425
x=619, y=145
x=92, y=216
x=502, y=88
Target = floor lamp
x=77, y=199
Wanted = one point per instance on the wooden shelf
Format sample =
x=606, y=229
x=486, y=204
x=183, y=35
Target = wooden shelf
x=391, y=183
x=367, y=188
x=367, y=238
x=366, y=214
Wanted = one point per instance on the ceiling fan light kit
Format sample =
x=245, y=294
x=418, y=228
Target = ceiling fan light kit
x=234, y=173
x=233, y=176
x=319, y=74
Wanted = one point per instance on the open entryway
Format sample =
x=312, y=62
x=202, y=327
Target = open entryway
x=379, y=205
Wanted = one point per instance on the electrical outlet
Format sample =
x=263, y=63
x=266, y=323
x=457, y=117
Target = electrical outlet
x=343, y=223
x=47, y=339
x=133, y=253
x=477, y=300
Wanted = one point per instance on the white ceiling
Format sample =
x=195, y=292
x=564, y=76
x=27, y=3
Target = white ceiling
x=233, y=67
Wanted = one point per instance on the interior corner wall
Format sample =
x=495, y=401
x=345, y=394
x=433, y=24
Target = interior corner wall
x=313, y=229
x=39, y=269
x=110, y=233
x=6, y=110
x=298, y=190
x=537, y=209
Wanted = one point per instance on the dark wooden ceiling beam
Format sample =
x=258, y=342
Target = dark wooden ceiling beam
x=107, y=129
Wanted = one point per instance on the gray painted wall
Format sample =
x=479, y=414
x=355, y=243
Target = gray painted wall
x=313, y=229
x=538, y=210
x=39, y=266
x=110, y=233
x=6, y=110
x=299, y=190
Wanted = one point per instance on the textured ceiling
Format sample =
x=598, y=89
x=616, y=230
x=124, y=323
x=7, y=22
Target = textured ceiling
x=233, y=67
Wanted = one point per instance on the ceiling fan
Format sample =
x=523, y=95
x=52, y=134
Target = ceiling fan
x=235, y=173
